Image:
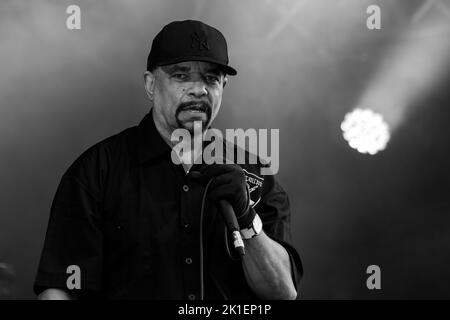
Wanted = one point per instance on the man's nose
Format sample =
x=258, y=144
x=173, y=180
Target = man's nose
x=198, y=89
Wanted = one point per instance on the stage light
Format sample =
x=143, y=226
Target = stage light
x=365, y=131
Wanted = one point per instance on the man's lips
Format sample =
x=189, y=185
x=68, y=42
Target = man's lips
x=193, y=111
x=196, y=108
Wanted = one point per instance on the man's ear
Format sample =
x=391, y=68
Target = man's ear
x=149, y=84
x=225, y=80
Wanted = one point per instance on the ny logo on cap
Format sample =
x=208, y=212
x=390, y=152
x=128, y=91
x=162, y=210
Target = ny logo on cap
x=200, y=41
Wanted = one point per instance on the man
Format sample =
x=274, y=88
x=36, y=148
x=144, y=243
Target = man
x=139, y=226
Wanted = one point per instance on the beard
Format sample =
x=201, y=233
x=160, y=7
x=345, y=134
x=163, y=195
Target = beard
x=188, y=112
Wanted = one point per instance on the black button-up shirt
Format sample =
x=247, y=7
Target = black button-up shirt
x=130, y=219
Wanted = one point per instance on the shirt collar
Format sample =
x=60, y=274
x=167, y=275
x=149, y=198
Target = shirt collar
x=150, y=143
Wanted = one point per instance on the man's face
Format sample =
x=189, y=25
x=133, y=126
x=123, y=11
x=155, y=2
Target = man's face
x=186, y=92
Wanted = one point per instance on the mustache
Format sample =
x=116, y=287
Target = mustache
x=201, y=105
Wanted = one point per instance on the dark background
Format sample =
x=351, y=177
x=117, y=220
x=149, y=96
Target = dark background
x=302, y=66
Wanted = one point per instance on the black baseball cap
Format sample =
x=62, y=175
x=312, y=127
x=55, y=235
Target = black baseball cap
x=189, y=40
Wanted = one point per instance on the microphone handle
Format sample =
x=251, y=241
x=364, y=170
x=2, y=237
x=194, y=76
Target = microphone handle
x=230, y=220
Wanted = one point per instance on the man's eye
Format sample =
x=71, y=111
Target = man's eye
x=180, y=76
x=212, y=79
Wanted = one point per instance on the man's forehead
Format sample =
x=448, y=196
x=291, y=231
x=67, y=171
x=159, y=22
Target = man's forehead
x=190, y=66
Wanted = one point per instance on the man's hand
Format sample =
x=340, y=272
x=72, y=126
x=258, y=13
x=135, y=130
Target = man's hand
x=228, y=184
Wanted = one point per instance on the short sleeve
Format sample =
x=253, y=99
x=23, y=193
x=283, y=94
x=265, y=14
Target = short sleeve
x=274, y=210
x=74, y=235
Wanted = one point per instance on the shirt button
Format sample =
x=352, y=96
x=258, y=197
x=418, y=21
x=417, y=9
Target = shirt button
x=191, y=296
x=185, y=188
x=147, y=267
x=188, y=260
x=186, y=225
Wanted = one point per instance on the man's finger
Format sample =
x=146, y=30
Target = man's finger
x=206, y=173
x=199, y=177
x=218, y=169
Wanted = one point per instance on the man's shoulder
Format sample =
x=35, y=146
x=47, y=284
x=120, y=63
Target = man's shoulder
x=116, y=142
x=105, y=152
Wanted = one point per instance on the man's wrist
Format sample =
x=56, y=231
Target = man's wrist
x=247, y=218
x=254, y=228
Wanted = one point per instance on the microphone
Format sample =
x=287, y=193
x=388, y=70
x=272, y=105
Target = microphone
x=230, y=220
